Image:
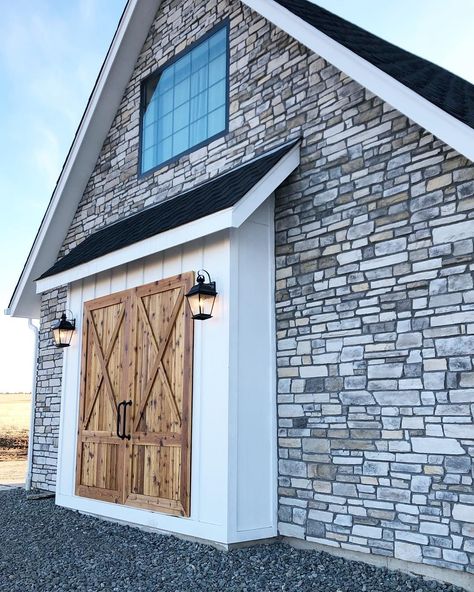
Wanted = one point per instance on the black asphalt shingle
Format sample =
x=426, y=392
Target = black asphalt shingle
x=219, y=194
x=449, y=92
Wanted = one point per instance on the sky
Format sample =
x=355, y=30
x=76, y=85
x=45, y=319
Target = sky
x=50, y=54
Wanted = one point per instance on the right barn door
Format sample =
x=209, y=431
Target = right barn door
x=159, y=451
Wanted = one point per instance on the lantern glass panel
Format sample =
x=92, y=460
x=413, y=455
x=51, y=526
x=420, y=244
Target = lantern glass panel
x=62, y=337
x=63, y=331
x=202, y=305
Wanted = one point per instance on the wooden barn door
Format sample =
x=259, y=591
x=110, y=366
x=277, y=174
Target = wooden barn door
x=159, y=462
x=138, y=347
x=100, y=454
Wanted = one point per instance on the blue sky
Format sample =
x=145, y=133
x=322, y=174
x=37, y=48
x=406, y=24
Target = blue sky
x=50, y=55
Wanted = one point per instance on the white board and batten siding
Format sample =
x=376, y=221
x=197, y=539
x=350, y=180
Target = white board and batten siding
x=233, y=471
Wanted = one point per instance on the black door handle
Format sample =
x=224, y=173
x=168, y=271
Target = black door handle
x=125, y=405
x=119, y=420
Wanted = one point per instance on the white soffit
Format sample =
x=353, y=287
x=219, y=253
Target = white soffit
x=444, y=126
x=105, y=99
x=229, y=218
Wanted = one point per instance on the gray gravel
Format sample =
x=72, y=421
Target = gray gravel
x=44, y=548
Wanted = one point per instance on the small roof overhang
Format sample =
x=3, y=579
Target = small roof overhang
x=222, y=203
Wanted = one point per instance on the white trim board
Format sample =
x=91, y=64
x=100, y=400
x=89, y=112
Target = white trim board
x=232, y=217
x=228, y=421
x=161, y=523
x=447, y=128
x=105, y=99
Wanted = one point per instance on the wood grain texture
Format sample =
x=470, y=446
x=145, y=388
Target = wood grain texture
x=99, y=466
x=160, y=443
x=138, y=346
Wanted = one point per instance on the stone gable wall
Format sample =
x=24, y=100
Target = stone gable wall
x=257, y=116
x=374, y=292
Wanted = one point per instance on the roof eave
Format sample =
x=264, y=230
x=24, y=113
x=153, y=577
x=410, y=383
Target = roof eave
x=232, y=217
x=105, y=100
x=447, y=128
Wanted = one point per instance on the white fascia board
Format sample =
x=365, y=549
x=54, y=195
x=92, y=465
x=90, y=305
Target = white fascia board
x=229, y=218
x=430, y=117
x=114, y=76
x=155, y=244
x=265, y=187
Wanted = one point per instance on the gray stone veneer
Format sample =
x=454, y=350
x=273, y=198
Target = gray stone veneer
x=375, y=321
x=374, y=295
x=49, y=367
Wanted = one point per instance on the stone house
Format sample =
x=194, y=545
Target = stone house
x=324, y=179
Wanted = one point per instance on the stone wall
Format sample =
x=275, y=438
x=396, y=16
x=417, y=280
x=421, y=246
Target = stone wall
x=374, y=292
x=48, y=394
x=375, y=321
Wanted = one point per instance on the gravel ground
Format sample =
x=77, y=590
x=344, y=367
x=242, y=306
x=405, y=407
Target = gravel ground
x=44, y=548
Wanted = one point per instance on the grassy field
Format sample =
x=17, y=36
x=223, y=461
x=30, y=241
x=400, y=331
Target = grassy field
x=14, y=425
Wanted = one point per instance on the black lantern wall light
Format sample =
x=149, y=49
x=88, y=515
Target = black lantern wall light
x=201, y=297
x=63, y=331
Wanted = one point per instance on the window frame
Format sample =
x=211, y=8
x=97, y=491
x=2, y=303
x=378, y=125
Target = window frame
x=157, y=73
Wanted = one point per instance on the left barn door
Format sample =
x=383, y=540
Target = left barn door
x=104, y=385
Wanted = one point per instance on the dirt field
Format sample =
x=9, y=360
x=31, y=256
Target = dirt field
x=14, y=425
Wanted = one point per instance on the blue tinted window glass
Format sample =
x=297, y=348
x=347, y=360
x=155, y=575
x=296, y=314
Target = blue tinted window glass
x=217, y=69
x=165, y=125
x=198, y=106
x=217, y=44
x=216, y=95
x=181, y=117
x=165, y=103
x=181, y=92
x=186, y=103
x=200, y=56
x=165, y=149
x=199, y=81
x=216, y=121
x=149, y=134
x=166, y=80
x=148, y=158
x=198, y=131
x=150, y=115
x=180, y=141
x=182, y=68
